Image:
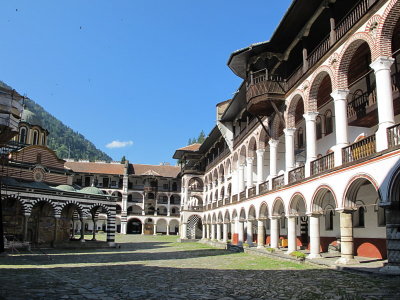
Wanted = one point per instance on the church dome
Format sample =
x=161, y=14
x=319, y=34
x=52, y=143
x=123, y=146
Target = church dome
x=66, y=188
x=91, y=190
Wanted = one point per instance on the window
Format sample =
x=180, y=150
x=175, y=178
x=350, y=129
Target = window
x=329, y=220
x=22, y=135
x=318, y=127
x=300, y=138
x=328, y=122
x=35, y=138
x=174, y=187
x=43, y=139
x=359, y=217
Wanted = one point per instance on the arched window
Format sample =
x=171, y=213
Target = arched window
x=43, y=139
x=300, y=138
x=35, y=138
x=328, y=122
x=318, y=127
x=173, y=210
x=22, y=135
x=361, y=217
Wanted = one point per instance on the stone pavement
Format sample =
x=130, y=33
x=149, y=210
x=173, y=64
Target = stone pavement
x=148, y=267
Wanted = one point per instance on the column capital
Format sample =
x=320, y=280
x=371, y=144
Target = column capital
x=289, y=131
x=340, y=94
x=382, y=63
x=310, y=116
x=273, y=143
x=314, y=214
x=260, y=151
x=249, y=160
x=241, y=166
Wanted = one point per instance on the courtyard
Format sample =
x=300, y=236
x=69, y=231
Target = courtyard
x=157, y=267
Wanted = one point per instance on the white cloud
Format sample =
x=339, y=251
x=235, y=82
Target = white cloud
x=119, y=144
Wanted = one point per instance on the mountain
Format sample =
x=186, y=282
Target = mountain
x=62, y=139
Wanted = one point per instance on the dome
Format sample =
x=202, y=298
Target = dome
x=30, y=118
x=66, y=188
x=91, y=190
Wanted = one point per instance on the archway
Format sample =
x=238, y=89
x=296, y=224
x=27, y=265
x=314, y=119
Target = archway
x=194, y=227
x=134, y=226
x=41, y=224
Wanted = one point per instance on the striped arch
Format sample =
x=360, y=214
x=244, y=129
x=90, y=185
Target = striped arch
x=316, y=80
x=56, y=210
x=353, y=186
x=318, y=198
x=347, y=53
x=94, y=210
x=25, y=205
x=79, y=207
x=290, y=116
x=386, y=26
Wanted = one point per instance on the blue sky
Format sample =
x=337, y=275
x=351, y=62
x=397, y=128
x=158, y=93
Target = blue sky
x=144, y=73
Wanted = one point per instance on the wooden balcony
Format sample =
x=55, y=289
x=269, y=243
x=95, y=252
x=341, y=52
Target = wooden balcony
x=262, y=90
x=359, y=150
x=235, y=198
x=252, y=192
x=278, y=182
x=296, y=174
x=220, y=203
x=264, y=187
x=322, y=164
x=393, y=134
x=242, y=196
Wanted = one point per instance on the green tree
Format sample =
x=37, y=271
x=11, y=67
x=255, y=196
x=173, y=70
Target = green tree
x=123, y=159
x=201, y=137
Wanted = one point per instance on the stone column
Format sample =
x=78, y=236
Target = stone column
x=273, y=157
x=384, y=96
x=235, y=182
x=341, y=127
x=203, y=232
x=239, y=230
x=184, y=231
x=289, y=148
x=241, y=179
x=154, y=229
x=260, y=234
x=274, y=232
x=167, y=229
x=249, y=233
x=249, y=162
x=225, y=232
x=311, y=140
x=260, y=168
x=94, y=229
x=315, y=243
x=208, y=232
x=393, y=240
x=346, y=238
x=82, y=238
x=292, y=236
x=218, y=231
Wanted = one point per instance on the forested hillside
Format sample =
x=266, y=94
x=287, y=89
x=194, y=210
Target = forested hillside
x=62, y=139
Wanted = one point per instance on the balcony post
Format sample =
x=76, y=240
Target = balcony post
x=341, y=127
x=289, y=148
x=249, y=169
x=332, y=23
x=311, y=140
x=384, y=95
x=273, y=156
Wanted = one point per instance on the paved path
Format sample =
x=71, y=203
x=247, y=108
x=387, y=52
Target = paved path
x=147, y=267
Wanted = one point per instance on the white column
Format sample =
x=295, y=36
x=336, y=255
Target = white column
x=292, y=236
x=235, y=182
x=218, y=231
x=184, y=231
x=384, y=95
x=208, y=231
x=260, y=166
x=273, y=157
x=225, y=232
x=167, y=229
x=249, y=233
x=249, y=162
x=315, y=243
x=311, y=139
x=203, y=233
x=260, y=234
x=341, y=127
x=274, y=232
x=239, y=230
x=212, y=231
x=241, y=179
x=225, y=188
x=289, y=148
x=154, y=229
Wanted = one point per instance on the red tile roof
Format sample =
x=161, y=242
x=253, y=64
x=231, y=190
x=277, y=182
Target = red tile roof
x=192, y=147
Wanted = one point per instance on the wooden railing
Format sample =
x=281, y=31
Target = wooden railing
x=237, y=139
x=242, y=195
x=219, y=203
x=319, y=51
x=252, y=192
x=393, y=134
x=234, y=198
x=322, y=164
x=214, y=205
x=264, y=187
x=359, y=150
x=278, y=182
x=296, y=174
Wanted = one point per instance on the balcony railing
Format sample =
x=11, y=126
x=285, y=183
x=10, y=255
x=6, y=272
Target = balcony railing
x=195, y=208
x=296, y=174
x=278, y=182
x=359, y=150
x=323, y=164
x=214, y=205
x=264, y=187
x=235, y=198
x=363, y=102
x=252, y=192
x=393, y=134
x=220, y=203
x=242, y=195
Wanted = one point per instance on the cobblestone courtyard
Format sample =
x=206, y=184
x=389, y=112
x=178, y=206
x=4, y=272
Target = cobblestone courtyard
x=148, y=267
